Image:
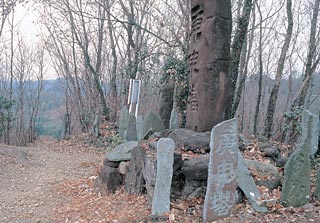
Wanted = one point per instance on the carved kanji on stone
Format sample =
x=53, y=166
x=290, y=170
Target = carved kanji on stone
x=222, y=171
x=210, y=87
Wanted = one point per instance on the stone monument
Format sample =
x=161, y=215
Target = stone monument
x=210, y=88
x=222, y=171
x=123, y=121
x=131, y=132
x=296, y=185
x=161, y=197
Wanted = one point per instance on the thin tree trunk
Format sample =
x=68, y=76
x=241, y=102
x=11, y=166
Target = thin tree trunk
x=298, y=104
x=113, y=85
x=8, y=127
x=274, y=92
x=310, y=65
x=84, y=49
x=257, y=109
x=236, y=51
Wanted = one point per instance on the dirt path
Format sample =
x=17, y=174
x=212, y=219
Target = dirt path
x=29, y=175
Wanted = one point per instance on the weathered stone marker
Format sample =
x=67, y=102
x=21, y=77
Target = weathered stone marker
x=123, y=121
x=140, y=127
x=174, y=119
x=161, y=197
x=166, y=100
x=209, y=84
x=131, y=132
x=134, y=178
x=152, y=121
x=222, y=171
x=313, y=124
x=296, y=185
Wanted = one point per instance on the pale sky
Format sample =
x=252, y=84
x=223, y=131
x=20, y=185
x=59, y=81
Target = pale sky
x=26, y=20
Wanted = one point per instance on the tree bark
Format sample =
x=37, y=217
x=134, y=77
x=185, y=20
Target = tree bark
x=113, y=92
x=311, y=64
x=84, y=48
x=274, y=92
x=236, y=50
x=257, y=109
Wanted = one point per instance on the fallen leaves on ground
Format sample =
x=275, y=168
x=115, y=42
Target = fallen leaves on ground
x=83, y=204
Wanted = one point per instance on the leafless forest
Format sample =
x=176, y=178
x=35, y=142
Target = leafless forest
x=90, y=49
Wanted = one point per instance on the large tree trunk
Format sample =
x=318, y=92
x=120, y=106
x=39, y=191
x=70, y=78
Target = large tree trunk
x=274, y=92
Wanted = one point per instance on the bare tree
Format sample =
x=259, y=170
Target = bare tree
x=237, y=48
x=311, y=64
x=275, y=89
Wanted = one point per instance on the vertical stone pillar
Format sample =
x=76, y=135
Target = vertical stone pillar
x=297, y=172
x=161, y=196
x=210, y=89
x=222, y=171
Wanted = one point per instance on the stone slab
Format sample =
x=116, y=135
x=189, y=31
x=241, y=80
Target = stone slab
x=134, y=177
x=311, y=121
x=123, y=121
x=131, y=133
x=153, y=122
x=297, y=171
x=174, y=119
x=140, y=130
x=248, y=186
x=210, y=86
x=222, y=181
x=121, y=152
x=161, y=197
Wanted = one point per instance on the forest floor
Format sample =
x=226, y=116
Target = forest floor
x=52, y=181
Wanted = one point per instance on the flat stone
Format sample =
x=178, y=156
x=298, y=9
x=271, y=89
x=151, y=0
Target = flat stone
x=122, y=152
x=248, y=186
x=267, y=174
x=223, y=166
x=190, y=140
x=161, y=197
x=196, y=168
